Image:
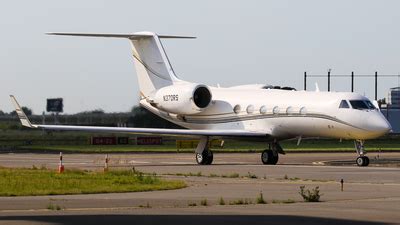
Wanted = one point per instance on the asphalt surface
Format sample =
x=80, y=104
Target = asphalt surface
x=371, y=194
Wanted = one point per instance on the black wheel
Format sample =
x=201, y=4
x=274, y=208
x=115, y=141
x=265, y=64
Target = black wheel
x=269, y=157
x=210, y=158
x=204, y=158
x=362, y=161
x=366, y=161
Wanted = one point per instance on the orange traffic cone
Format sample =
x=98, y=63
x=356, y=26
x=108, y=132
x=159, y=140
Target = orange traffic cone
x=61, y=166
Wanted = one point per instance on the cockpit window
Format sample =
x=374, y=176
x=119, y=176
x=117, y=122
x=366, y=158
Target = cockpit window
x=358, y=104
x=344, y=104
x=370, y=105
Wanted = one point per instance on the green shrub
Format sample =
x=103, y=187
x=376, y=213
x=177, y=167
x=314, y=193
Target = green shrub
x=312, y=195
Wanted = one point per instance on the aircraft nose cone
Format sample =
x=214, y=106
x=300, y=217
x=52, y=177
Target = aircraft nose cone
x=379, y=125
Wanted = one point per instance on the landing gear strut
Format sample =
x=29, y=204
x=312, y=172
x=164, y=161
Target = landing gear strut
x=361, y=160
x=270, y=156
x=204, y=156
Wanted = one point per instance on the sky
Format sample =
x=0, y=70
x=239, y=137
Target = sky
x=238, y=42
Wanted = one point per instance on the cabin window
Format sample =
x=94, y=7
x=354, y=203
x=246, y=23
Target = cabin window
x=263, y=109
x=358, y=104
x=275, y=110
x=303, y=111
x=237, y=109
x=370, y=105
x=344, y=105
x=289, y=110
x=250, y=109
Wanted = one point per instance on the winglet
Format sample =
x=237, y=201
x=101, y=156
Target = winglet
x=22, y=117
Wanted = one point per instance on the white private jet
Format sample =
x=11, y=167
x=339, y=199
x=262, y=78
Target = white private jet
x=249, y=111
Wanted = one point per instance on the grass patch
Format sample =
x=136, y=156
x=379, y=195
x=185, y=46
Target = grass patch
x=25, y=182
x=287, y=201
x=286, y=177
x=147, y=206
x=211, y=175
x=260, y=199
x=241, y=202
x=233, y=175
x=198, y=174
x=76, y=142
x=51, y=206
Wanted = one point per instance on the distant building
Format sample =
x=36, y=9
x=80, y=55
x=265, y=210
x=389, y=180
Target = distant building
x=391, y=110
x=394, y=98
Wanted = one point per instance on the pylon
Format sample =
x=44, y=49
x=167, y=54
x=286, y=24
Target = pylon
x=61, y=166
x=106, y=163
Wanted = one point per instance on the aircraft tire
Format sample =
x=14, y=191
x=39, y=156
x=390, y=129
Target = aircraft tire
x=269, y=157
x=362, y=161
x=205, y=158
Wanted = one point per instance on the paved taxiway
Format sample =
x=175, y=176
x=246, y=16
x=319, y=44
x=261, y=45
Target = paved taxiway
x=370, y=195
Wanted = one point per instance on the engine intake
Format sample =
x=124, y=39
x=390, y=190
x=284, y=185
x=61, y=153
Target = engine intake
x=202, y=97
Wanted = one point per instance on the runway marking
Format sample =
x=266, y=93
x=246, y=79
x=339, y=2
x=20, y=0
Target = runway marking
x=137, y=162
x=179, y=163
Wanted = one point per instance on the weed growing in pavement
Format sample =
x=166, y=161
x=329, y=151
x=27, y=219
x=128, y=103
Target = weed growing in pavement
x=192, y=204
x=251, y=175
x=204, y=202
x=241, y=202
x=51, y=206
x=260, y=199
x=308, y=195
x=221, y=201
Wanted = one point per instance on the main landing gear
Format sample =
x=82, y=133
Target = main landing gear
x=270, y=156
x=204, y=156
x=361, y=160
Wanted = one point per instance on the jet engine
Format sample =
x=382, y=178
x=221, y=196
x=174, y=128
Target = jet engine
x=183, y=99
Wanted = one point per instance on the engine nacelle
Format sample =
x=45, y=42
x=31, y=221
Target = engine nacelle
x=183, y=99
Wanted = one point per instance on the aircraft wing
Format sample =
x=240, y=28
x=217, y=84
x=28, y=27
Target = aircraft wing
x=148, y=131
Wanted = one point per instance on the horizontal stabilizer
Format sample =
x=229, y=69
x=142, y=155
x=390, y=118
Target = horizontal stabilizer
x=129, y=36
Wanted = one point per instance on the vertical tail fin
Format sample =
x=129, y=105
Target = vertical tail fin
x=152, y=65
x=153, y=68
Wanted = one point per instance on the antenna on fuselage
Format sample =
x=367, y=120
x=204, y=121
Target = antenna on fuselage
x=316, y=87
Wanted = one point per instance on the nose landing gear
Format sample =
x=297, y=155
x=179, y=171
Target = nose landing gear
x=361, y=160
